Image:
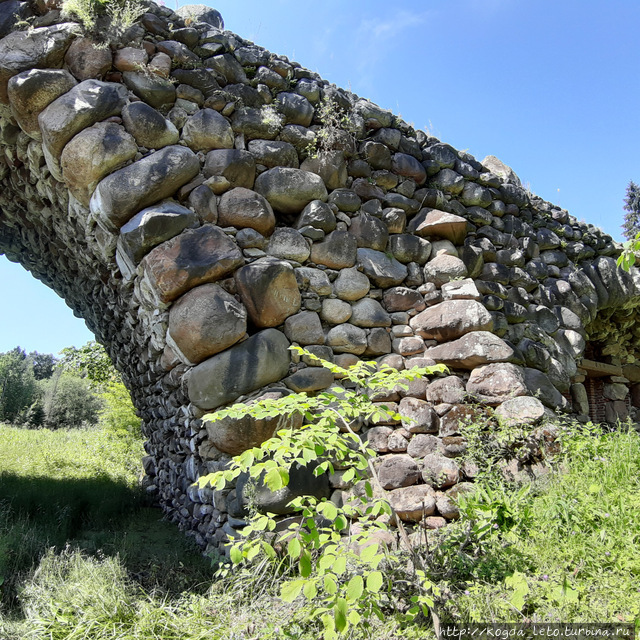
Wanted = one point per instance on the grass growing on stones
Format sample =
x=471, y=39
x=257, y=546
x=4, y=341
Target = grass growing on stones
x=82, y=557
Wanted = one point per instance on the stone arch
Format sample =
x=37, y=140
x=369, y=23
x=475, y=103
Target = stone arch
x=202, y=223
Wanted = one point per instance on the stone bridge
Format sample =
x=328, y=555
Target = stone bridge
x=203, y=203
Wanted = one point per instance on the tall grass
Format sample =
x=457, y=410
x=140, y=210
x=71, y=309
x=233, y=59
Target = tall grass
x=565, y=549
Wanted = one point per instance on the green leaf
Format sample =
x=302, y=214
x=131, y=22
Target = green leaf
x=340, y=565
x=304, y=566
x=340, y=613
x=330, y=585
x=273, y=479
x=329, y=510
x=235, y=554
x=294, y=548
x=369, y=552
x=354, y=617
x=355, y=587
x=310, y=591
x=374, y=581
x=291, y=590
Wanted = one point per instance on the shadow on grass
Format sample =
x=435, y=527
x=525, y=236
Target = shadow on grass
x=98, y=516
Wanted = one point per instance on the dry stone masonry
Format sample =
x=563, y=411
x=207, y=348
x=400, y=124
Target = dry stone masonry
x=204, y=204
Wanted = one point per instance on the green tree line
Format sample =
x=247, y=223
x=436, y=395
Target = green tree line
x=79, y=388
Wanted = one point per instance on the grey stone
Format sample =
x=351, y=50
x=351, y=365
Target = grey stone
x=397, y=471
x=422, y=445
x=449, y=390
x=254, y=363
x=409, y=248
x=42, y=48
x=30, y=92
x=523, y=410
x=123, y=193
x=319, y=215
x=336, y=251
x=418, y=416
x=369, y=313
x=313, y=280
x=383, y=270
x=309, y=380
x=236, y=166
x=347, y=338
x=471, y=350
x=304, y=328
x=335, y=311
x=155, y=91
x=149, y=228
x=206, y=130
x=440, y=472
x=295, y=108
x=538, y=384
x=83, y=105
x=290, y=190
x=274, y=154
x=269, y=290
x=444, y=268
x=148, y=126
x=92, y=154
x=288, y=244
x=196, y=256
x=370, y=232
x=451, y=319
x=440, y=224
x=495, y=383
x=351, y=284
x=330, y=166
x=205, y=321
x=201, y=13
x=402, y=299
x=413, y=504
x=229, y=67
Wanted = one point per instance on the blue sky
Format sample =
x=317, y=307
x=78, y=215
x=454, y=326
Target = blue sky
x=551, y=87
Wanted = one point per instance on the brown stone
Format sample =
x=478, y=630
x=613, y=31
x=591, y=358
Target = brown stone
x=243, y=208
x=412, y=504
x=439, y=224
x=459, y=416
x=195, y=257
x=378, y=438
x=269, y=290
x=130, y=59
x=440, y=472
x=451, y=319
x=205, y=321
x=86, y=60
x=422, y=445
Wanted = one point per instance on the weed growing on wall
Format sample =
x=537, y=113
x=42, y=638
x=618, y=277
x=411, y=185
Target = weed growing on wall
x=334, y=556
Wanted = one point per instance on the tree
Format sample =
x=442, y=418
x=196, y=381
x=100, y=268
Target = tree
x=89, y=361
x=631, y=225
x=18, y=388
x=43, y=364
x=69, y=401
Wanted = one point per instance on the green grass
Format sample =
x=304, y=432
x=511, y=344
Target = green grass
x=83, y=557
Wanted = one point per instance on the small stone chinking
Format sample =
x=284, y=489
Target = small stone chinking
x=204, y=204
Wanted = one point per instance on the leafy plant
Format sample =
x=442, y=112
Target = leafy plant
x=335, y=556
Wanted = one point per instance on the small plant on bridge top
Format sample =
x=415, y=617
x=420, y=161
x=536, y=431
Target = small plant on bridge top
x=333, y=554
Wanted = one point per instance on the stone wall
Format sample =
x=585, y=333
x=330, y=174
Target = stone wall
x=203, y=204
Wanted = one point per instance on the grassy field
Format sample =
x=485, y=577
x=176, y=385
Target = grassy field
x=83, y=556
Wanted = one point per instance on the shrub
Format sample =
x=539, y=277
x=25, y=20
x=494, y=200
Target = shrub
x=69, y=401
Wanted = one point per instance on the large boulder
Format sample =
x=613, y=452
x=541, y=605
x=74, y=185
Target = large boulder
x=41, y=48
x=31, y=92
x=157, y=176
x=337, y=251
x=451, y=319
x=206, y=130
x=195, y=257
x=495, y=383
x=413, y=503
x=243, y=208
x=92, y=154
x=254, y=363
x=383, y=270
x=148, y=126
x=520, y=410
x=439, y=224
x=148, y=229
x=290, y=190
x=269, y=290
x=83, y=105
x=471, y=350
x=205, y=321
